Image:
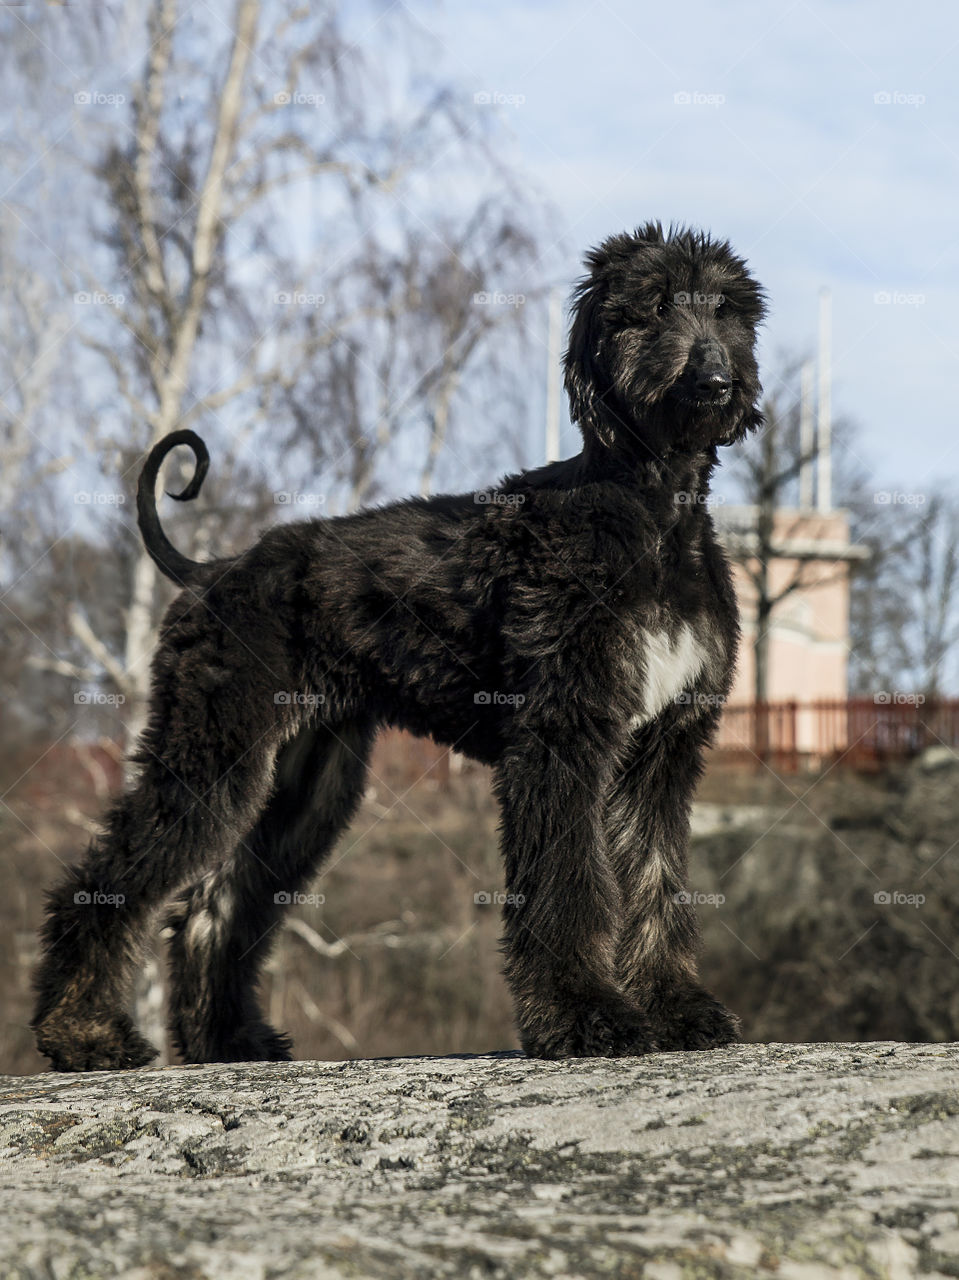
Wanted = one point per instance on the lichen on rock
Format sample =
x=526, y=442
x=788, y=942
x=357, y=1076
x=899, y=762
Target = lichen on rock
x=797, y=1161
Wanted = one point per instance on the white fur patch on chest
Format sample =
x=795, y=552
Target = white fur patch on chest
x=670, y=667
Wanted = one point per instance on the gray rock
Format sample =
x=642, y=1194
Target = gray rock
x=935, y=758
x=799, y=1161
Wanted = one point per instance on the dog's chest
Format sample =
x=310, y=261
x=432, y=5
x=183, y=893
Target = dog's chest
x=670, y=665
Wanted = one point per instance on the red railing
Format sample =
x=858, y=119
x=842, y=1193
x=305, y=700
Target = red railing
x=865, y=733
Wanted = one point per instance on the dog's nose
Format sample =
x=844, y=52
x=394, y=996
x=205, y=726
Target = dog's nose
x=713, y=381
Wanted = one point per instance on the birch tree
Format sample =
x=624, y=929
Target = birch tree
x=214, y=321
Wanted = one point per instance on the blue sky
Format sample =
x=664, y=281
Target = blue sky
x=782, y=148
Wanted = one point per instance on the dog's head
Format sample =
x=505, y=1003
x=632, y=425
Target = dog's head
x=661, y=353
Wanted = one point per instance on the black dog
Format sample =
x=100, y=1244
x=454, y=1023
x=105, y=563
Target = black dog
x=575, y=629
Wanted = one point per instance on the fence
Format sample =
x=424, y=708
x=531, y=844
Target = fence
x=864, y=733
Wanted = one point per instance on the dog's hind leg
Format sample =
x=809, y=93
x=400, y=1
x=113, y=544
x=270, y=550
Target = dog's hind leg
x=563, y=905
x=647, y=826
x=206, y=762
x=160, y=832
x=224, y=924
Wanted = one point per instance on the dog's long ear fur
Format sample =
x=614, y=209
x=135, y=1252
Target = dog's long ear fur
x=580, y=363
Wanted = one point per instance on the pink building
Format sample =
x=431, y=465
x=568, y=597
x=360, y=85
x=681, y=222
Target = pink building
x=808, y=635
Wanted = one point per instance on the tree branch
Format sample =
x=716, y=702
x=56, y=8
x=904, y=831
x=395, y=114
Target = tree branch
x=83, y=632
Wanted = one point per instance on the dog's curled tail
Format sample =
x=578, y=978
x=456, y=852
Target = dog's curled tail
x=178, y=567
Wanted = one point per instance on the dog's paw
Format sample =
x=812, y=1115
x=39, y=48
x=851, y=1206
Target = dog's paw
x=691, y=1018
x=253, y=1042
x=593, y=1032
x=92, y=1042
x=258, y=1043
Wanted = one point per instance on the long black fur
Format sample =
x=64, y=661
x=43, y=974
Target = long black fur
x=575, y=629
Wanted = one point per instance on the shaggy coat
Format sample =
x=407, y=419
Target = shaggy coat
x=575, y=629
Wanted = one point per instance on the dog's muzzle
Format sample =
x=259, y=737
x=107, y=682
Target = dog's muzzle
x=715, y=396
x=706, y=381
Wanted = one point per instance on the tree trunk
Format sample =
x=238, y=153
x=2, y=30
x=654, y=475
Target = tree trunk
x=761, y=744
x=171, y=377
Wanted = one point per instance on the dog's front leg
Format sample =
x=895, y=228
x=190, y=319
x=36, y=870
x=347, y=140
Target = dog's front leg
x=647, y=829
x=563, y=907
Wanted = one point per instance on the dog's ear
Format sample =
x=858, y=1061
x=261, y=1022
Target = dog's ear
x=752, y=420
x=581, y=363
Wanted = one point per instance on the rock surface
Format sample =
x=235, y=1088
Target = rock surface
x=797, y=1161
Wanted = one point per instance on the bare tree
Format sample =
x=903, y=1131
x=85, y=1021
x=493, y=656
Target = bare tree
x=905, y=605
x=429, y=312
x=769, y=471
x=211, y=317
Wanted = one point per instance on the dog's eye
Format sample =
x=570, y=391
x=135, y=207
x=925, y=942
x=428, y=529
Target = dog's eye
x=662, y=308
x=720, y=306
